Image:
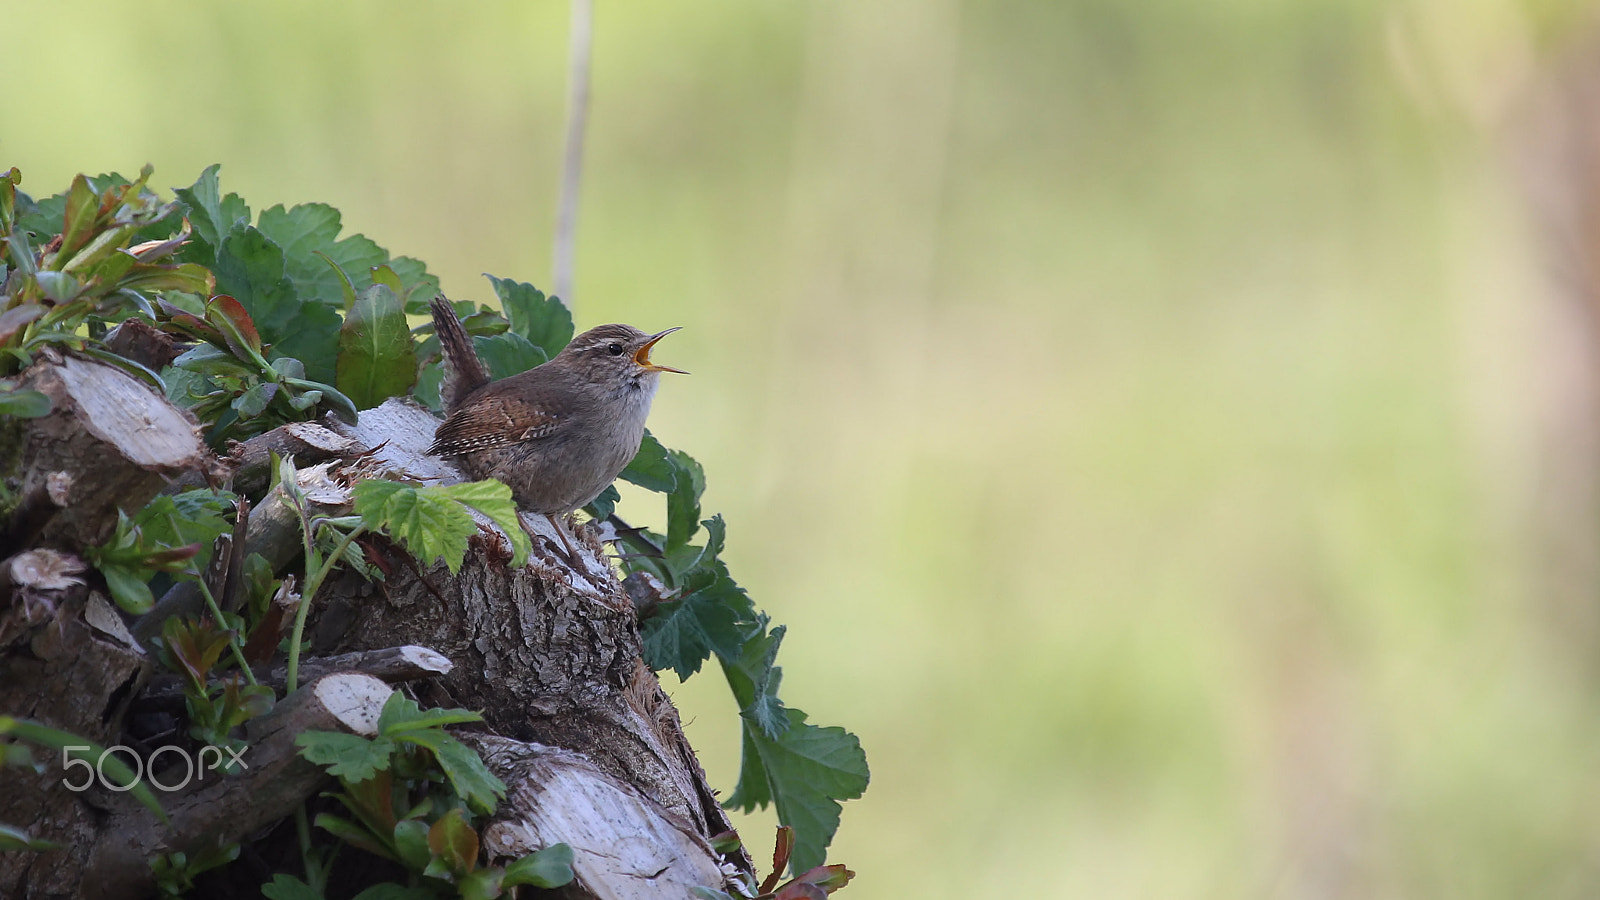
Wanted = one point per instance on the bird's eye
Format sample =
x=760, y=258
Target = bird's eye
x=615, y=349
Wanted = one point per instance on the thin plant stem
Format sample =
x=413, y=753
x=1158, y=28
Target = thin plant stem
x=233, y=638
x=314, y=581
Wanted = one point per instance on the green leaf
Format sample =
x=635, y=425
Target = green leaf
x=544, y=321
x=348, y=756
x=250, y=267
x=211, y=215
x=683, y=504
x=411, y=842
x=377, y=359
x=401, y=714
x=507, y=354
x=428, y=525
x=462, y=765
x=433, y=522
x=24, y=404
x=83, y=202
x=604, y=505
x=651, y=468
x=806, y=771
x=353, y=834
x=754, y=680
x=714, y=615
x=420, y=287
x=312, y=228
x=288, y=887
x=130, y=590
x=547, y=868
x=254, y=402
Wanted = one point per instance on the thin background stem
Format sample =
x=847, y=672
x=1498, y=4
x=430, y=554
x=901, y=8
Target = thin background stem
x=581, y=43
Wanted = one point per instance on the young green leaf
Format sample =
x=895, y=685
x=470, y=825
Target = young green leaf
x=377, y=359
x=401, y=714
x=348, y=756
x=462, y=765
x=24, y=404
x=547, y=868
x=432, y=522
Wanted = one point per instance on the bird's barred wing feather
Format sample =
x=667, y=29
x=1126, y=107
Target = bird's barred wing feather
x=491, y=423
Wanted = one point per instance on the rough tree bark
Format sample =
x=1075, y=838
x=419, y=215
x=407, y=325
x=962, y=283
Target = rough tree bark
x=576, y=724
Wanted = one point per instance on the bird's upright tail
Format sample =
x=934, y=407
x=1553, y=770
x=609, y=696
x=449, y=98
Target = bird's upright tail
x=463, y=370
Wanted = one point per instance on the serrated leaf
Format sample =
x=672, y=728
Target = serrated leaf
x=430, y=526
x=377, y=359
x=211, y=214
x=507, y=354
x=348, y=756
x=713, y=616
x=401, y=713
x=651, y=468
x=806, y=772
x=754, y=680
x=544, y=321
x=683, y=504
x=312, y=228
x=462, y=765
x=493, y=499
x=250, y=267
x=604, y=505
x=547, y=868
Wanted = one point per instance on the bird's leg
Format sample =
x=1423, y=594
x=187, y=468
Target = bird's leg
x=572, y=554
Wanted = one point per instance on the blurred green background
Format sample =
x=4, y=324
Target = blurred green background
x=1138, y=411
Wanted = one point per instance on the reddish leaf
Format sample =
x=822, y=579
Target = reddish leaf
x=782, y=846
x=229, y=317
x=454, y=842
x=13, y=319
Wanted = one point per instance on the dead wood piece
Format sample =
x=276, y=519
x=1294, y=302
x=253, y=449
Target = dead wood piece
x=307, y=442
x=73, y=672
x=625, y=845
x=109, y=443
x=144, y=344
x=393, y=665
x=277, y=779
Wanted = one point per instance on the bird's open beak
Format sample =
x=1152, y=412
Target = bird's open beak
x=642, y=355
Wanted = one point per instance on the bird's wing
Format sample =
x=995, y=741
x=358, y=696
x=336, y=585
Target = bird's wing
x=493, y=422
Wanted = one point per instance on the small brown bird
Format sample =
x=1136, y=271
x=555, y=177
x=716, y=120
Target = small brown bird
x=558, y=433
